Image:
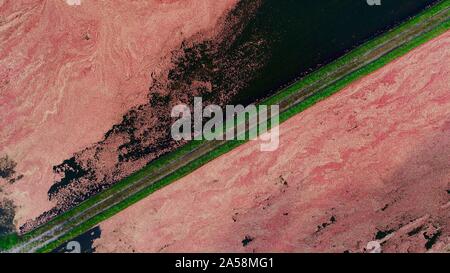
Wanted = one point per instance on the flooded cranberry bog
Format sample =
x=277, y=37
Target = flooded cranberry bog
x=295, y=98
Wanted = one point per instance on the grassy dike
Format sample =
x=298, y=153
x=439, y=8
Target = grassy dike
x=10, y=241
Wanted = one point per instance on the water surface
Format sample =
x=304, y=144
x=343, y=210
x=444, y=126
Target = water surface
x=304, y=35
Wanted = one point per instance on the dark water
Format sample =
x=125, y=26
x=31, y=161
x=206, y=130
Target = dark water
x=306, y=34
